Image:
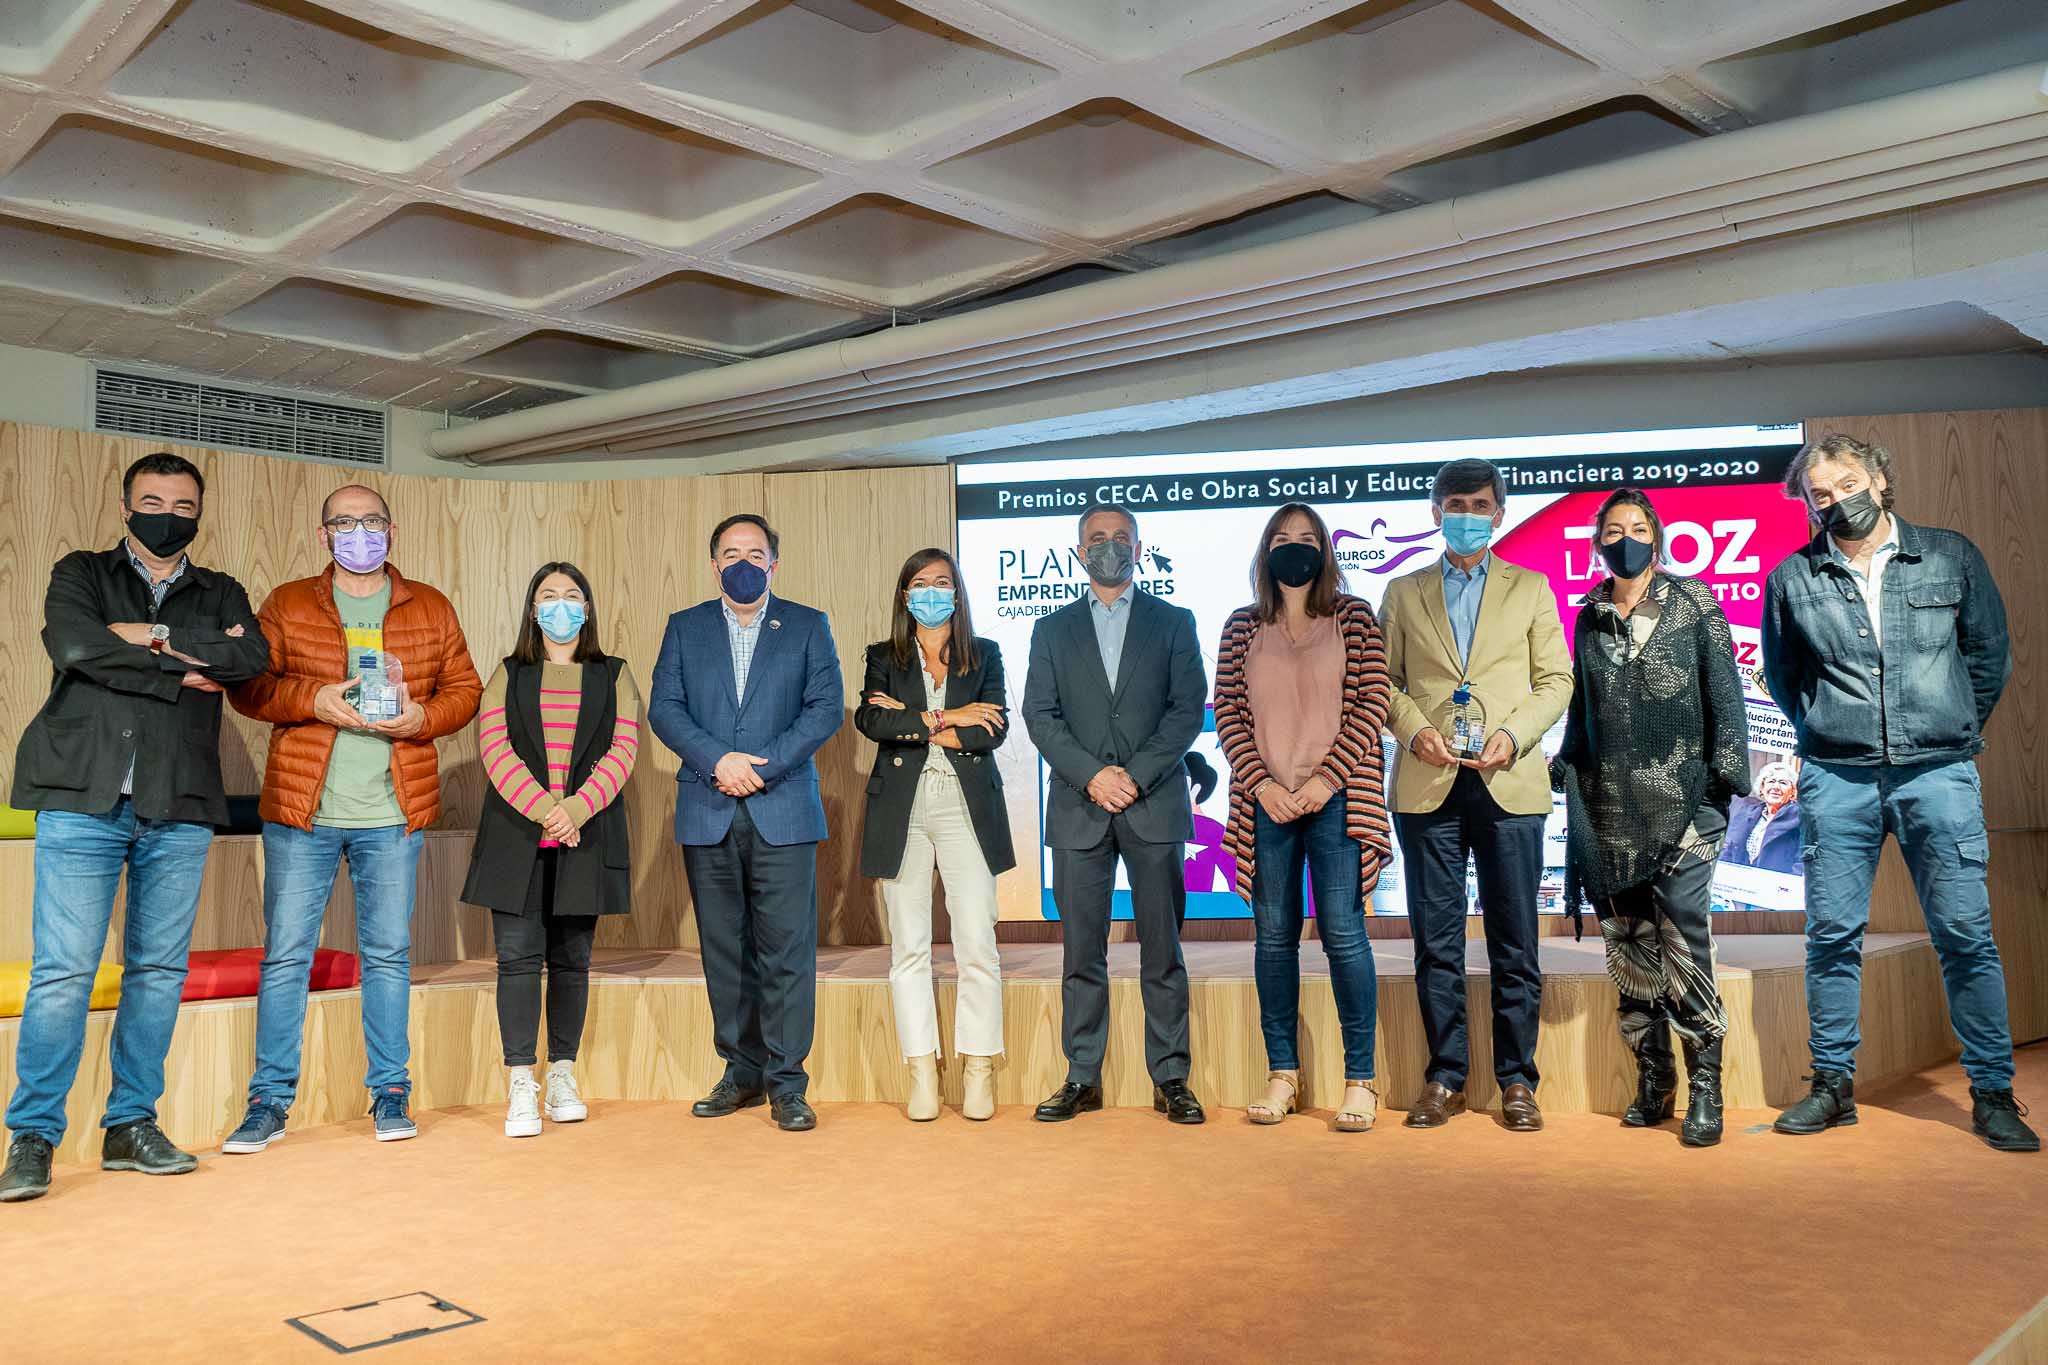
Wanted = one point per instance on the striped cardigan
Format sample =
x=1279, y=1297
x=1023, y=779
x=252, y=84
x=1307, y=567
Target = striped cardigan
x=1355, y=763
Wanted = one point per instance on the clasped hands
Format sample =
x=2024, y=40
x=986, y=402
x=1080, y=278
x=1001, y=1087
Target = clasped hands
x=1282, y=805
x=560, y=826
x=1431, y=748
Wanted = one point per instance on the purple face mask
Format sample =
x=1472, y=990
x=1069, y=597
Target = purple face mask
x=360, y=550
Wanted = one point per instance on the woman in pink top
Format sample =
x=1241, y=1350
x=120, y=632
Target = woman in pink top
x=1301, y=692
x=559, y=731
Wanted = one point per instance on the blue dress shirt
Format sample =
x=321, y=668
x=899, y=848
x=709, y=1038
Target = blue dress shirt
x=1462, y=595
x=1112, y=623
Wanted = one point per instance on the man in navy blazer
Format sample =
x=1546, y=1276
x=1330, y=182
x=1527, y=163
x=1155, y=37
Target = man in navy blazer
x=746, y=690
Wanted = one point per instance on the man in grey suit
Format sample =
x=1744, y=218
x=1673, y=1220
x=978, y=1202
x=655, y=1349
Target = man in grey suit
x=1113, y=699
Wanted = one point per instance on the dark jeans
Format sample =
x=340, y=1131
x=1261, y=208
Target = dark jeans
x=524, y=941
x=1936, y=812
x=1083, y=887
x=757, y=926
x=1332, y=859
x=1508, y=852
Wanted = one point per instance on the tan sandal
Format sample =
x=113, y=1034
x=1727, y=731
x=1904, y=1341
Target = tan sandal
x=1278, y=1103
x=1361, y=1107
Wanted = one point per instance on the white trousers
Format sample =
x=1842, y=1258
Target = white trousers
x=942, y=837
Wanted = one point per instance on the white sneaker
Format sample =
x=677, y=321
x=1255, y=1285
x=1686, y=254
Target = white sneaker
x=522, y=1114
x=564, y=1104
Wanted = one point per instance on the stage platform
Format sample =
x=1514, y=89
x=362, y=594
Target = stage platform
x=649, y=1033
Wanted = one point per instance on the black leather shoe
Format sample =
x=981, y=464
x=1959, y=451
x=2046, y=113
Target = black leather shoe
x=142, y=1146
x=727, y=1098
x=1177, y=1102
x=28, y=1169
x=1702, y=1126
x=1656, y=1079
x=793, y=1114
x=1994, y=1115
x=1069, y=1100
x=1832, y=1104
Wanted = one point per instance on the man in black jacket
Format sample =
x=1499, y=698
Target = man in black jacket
x=123, y=764
x=1885, y=643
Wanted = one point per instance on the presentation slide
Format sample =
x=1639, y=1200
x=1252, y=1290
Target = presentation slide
x=1718, y=490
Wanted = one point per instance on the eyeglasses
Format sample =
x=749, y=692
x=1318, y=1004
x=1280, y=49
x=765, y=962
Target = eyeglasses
x=343, y=525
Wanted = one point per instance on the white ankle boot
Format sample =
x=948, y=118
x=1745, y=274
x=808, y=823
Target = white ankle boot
x=924, y=1087
x=522, y=1114
x=978, y=1075
x=564, y=1104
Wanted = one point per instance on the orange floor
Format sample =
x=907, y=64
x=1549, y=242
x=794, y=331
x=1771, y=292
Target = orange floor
x=647, y=1235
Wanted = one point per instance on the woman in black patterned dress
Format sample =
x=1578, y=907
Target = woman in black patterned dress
x=1656, y=745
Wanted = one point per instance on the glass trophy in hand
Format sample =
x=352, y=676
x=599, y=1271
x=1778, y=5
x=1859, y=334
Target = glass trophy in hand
x=1466, y=735
x=380, y=691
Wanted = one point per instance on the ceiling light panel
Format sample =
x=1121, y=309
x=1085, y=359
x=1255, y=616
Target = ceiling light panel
x=311, y=78
x=890, y=253
x=1105, y=169
x=126, y=177
x=862, y=89
x=448, y=252
x=1350, y=90
x=622, y=172
x=725, y=314
x=354, y=319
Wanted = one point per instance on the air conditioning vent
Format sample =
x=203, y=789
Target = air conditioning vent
x=195, y=412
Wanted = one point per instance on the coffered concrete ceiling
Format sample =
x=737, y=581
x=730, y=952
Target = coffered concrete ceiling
x=481, y=205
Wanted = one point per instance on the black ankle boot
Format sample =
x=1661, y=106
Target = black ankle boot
x=1831, y=1104
x=1702, y=1126
x=1656, y=1080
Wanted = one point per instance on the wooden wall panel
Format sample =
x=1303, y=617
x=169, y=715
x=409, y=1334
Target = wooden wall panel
x=844, y=536
x=641, y=543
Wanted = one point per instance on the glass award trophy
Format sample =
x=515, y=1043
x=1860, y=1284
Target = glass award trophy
x=381, y=695
x=1467, y=732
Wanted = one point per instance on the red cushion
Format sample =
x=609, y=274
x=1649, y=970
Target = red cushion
x=227, y=974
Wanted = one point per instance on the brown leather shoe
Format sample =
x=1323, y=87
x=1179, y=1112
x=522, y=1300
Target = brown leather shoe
x=1518, y=1111
x=1434, y=1106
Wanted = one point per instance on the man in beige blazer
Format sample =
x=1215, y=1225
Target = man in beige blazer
x=1473, y=621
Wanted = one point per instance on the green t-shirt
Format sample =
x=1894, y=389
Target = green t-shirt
x=359, y=794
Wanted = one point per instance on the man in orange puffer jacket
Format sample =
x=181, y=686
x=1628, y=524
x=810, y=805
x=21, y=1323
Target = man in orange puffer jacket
x=346, y=779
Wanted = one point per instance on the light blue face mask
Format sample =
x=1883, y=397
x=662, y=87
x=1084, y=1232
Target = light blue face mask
x=1467, y=533
x=932, y=607
x=560, y=619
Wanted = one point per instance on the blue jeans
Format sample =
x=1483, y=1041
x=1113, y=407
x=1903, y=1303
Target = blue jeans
x=298, y=876
x=1332, y=857
x=78, y=867
x=1936, y=812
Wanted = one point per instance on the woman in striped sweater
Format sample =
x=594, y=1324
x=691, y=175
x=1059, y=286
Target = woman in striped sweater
x=1301, y=693
x=559, y=731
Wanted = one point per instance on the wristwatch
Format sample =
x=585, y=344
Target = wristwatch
x=159, y=636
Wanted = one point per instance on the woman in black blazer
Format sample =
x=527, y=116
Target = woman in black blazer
x=934, y=701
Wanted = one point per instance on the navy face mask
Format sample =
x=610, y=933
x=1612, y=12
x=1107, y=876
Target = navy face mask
x=743, y=581
x=1628, y=556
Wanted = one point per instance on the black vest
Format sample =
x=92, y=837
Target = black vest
x=594, y=878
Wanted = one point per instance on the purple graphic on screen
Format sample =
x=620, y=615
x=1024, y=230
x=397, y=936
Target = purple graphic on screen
x=1210, y=867
x=1412, y=545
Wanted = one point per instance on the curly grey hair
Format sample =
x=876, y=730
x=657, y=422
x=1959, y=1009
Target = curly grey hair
x=1874, y=458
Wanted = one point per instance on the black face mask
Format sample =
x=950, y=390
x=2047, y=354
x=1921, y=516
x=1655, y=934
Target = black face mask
x=1294, y=564
x=163, y=534
x=1628, y=556
x=1853, y=518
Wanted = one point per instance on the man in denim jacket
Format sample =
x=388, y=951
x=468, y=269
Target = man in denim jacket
x=1885, y=643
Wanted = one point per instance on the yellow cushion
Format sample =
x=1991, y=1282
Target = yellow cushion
x=106, y=987
x=17, y=824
